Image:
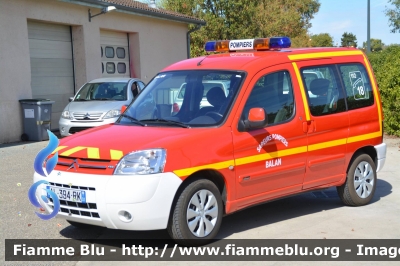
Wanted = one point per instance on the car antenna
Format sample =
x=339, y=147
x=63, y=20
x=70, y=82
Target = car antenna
x=199, y=63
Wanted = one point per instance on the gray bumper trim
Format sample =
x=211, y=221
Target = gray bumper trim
x=381, y=156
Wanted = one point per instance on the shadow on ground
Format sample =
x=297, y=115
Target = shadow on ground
x=250, y=218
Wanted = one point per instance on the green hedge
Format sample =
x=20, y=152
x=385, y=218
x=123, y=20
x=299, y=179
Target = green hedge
x=386, y=65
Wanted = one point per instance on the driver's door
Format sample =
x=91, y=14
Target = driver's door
x=271, y=161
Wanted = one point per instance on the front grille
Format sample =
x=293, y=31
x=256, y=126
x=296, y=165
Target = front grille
x=74, y=130
x=75, y=187
x=75, y=164
x=65, y=209
x=86, y=116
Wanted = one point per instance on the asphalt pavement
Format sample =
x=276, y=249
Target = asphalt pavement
x=318, y=215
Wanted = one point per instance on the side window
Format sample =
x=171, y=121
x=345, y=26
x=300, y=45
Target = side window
x=357, y=85
x=141, y=85
x=134, y=89
x=274, y=93
x=323, y=90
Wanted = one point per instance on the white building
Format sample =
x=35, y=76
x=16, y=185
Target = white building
x=50, y=48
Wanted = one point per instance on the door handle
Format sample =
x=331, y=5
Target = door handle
x=309, y=126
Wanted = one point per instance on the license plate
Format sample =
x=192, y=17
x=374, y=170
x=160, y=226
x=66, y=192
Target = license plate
x=69, y=194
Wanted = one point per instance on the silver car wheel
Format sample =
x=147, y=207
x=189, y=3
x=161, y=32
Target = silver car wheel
x=202, y=213
x=363, y=179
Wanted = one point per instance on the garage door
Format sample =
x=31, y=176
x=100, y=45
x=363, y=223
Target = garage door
x=114, y=54
x=52, y=75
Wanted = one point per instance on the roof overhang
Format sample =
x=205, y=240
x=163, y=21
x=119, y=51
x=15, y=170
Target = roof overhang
x=138, y=11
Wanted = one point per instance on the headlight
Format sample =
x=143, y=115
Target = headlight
x=66, y=114
x=112, y=113
x=142, y=162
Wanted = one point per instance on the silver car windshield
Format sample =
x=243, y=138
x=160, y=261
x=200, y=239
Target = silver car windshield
x=105, y=91
x=194, y=98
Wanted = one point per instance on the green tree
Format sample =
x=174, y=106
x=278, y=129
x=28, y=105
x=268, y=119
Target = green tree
x=394, y=16
x=285, y=17
x=321, y=40
x=386, y=67
x=302, y=40
x=376, y=45
x=349, y=39
x=239, y=19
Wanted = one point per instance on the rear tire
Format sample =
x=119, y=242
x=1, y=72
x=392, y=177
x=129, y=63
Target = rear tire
x=197, y=214
x=360, y=184
x=24, y=137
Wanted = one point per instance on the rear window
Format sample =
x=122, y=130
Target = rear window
x=207, y=87
x=357, y=86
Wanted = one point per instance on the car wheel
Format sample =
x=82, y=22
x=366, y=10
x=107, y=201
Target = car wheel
x=81, y=225
x=24, y=137
x=360, y=184
x=197, y=214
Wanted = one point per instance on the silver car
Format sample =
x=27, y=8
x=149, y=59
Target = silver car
x=98, y=103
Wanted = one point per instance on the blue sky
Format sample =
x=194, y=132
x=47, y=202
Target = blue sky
x=338, y=16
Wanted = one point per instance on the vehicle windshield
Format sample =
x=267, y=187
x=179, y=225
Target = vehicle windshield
x=105, y=91
x=191, y=98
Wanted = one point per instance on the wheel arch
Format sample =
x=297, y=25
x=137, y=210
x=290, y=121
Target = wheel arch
x=369, y=150
x=209, y=174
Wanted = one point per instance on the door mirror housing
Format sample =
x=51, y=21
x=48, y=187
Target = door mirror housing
x=257, y=119
x=70, y=99
x=123, y=108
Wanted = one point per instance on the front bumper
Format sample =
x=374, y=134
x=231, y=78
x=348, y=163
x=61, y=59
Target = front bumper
x=147, y=198
x=67, y=127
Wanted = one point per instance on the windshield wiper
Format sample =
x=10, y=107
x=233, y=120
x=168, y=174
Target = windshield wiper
x=103, y=99
x=170, y=122
x=134, y=120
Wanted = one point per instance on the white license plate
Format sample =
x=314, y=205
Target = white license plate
x=69, y=194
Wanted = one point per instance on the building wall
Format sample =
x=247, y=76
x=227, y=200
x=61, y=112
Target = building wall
x=154, y=44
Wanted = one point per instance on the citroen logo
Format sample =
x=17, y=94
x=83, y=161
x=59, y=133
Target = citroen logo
x=73, y=165
x=86, y=116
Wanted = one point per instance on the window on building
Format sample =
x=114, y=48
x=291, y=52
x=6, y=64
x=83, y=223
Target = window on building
x=110, y=68
x=120, y=52
x=109, y=52
x=121, y=67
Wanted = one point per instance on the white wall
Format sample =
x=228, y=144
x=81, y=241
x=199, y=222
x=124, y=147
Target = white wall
x=154, y=44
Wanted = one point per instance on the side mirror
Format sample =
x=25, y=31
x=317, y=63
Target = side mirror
x=135, y=89
x=70, y=99
x=123, y=108
x=257, y=119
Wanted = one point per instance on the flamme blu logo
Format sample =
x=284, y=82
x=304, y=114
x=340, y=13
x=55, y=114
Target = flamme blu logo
x=40, y=159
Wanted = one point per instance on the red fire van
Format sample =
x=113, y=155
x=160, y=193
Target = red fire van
x=292, y=121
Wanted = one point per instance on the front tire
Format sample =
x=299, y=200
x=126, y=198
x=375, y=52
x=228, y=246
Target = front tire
x=197, y=214
x=360, y=184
